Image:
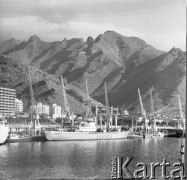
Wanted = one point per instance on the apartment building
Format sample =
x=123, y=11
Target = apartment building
x=42, y=109
x=7, y=101
x=18, y=105
x=56, y=111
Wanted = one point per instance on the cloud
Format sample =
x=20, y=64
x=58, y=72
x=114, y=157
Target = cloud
x=22, y=27
x=167, y=41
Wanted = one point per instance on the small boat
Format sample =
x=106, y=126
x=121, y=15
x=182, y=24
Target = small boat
x=134, y=134
x=177, y=132
x=169, y=131
x=3, y=131
x=15, y=138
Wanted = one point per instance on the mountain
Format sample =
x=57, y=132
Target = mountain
x=47, y=88
x=9, y=44
x=124, y=63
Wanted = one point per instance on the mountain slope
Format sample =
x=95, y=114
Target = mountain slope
x=47, y=88
x=124, y=63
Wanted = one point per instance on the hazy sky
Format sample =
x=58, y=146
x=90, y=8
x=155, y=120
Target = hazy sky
x=161, y=23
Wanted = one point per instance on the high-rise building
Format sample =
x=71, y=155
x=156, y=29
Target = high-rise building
x=7, y=101
x=18, y=105
x=42, y=109
x=56, y=111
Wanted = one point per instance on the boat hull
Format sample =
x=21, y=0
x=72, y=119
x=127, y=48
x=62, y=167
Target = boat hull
x=80, y=136
x=134, y=135
x=3, y=133
x=177, y=134
x=26, y=139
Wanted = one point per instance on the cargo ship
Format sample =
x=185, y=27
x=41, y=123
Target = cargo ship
x=4, y=129
x=86, y=131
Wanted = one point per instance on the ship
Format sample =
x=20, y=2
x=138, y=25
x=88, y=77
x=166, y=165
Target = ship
x=16, y=138
x=146, y=130
x=4, y=129
x=179, y=131
x=87, y=130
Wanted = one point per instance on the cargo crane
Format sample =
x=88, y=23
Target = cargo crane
x=182, y=125
x=88, y=103
x=66, y=105
x=34, y=124
x=144, y=119
x=153, y=119
x=107, y=108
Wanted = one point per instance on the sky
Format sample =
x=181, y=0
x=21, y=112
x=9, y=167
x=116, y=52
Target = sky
x=161, y=23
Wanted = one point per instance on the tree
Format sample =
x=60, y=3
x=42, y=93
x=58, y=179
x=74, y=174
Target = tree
x=58, y=120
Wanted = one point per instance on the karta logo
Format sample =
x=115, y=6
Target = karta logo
x=120, y=169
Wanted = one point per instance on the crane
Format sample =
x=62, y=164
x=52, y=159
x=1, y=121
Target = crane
x=88, y=103
x=107, y=107
x=33, y=107
x=65, y=97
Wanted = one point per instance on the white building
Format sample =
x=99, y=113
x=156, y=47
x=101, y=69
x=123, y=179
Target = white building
x=45, y=109
x=7, y=101
x=42, y=109
x=56, y=111
x=18, y=105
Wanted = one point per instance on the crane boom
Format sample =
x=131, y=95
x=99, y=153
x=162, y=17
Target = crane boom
x=33, y=110
x=87, y=100
x=33, y=102
x=182, y=121
x=152, y=106
x=141, y=104
x=65, y=97
x=107, y=106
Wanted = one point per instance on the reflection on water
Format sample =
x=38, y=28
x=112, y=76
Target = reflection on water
x=80, y=159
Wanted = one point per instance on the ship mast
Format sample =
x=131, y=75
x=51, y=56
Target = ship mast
x=107, y=108
x=33, y=110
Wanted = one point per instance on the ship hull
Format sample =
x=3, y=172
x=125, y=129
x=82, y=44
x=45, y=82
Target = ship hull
x=26, y=139
x=134, y=135
x=3, y=134
x=81, y=136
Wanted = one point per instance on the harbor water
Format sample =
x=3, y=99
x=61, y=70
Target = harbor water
x=82, y=159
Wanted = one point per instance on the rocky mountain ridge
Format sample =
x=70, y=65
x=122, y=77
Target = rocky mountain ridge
x=124, y=63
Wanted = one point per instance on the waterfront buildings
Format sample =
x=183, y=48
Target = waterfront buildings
x=7, y=101
x=18, y=105
x=56, y=111
x=42, y=109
